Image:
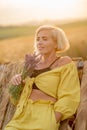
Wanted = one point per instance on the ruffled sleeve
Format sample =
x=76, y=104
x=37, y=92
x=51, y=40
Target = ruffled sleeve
x=68, y=91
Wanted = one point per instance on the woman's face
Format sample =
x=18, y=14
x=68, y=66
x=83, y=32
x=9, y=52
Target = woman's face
x=45, y=43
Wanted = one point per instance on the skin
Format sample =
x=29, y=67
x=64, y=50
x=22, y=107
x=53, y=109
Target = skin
x=45, y=43
x=46, y=47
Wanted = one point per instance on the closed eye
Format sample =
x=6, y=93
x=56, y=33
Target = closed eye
x=42, y=38
x=45, y=39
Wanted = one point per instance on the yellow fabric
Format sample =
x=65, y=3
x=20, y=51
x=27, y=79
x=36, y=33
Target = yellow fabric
x=36, y=115
x=68, y=91
x=61, y=83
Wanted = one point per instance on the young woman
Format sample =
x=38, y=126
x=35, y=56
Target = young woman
x=52, y=93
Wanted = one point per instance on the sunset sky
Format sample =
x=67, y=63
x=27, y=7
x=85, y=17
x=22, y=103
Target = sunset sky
x=23, y=11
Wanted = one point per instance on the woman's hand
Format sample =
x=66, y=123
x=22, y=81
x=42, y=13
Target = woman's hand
x=58, y=116
x=17, y=79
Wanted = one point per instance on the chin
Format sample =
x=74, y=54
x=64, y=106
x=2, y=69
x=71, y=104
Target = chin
x=42, y=53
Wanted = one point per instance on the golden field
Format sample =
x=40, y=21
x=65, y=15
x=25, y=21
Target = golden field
x=15, y=42
x=15, y=48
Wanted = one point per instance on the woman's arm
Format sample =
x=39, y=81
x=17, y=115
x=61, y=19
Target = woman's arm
x=68, y=92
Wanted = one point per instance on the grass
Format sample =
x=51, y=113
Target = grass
x=16, y=31
x=15, y=42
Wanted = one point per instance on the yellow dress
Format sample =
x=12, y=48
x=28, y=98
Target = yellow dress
x=61, y=83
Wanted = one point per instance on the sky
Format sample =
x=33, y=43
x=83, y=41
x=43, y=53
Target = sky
x=23, y=11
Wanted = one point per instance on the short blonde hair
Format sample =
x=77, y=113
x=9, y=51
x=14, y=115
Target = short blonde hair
x=58, y=36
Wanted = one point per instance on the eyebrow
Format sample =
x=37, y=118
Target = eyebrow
x=42, y=36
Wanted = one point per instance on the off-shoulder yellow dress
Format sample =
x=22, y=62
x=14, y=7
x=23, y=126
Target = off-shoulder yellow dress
x=61, y=83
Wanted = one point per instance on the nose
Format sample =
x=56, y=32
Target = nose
x=40, y=42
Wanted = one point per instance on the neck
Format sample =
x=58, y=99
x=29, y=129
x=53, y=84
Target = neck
x=49, y=57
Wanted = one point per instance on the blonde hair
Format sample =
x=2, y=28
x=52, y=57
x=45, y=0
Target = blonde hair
x=58, y=36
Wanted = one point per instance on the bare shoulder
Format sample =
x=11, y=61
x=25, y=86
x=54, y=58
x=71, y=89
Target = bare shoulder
x=62, y=61
x=65, y=60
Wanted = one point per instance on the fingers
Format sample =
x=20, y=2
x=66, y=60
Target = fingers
x=16, y=80
x=23, y=81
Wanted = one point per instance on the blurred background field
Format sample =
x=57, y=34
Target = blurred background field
x=16, y=41
x=20, y=18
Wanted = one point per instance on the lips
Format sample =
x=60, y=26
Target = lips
x=40, y=48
